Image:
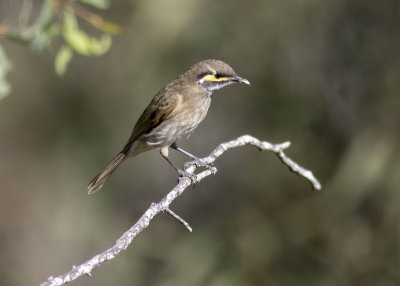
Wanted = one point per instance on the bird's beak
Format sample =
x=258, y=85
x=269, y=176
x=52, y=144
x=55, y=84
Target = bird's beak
x=241, y=80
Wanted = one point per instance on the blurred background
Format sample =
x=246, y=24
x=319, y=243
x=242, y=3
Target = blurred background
x=325, y=75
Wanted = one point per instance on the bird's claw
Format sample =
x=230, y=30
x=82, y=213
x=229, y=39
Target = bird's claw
x=192, y=177
x=212, y=169
x=199, y=163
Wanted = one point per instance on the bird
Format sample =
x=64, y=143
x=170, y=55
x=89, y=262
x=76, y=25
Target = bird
x=173, y=114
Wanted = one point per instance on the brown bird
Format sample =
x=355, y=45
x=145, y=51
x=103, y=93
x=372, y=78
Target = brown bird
x=174, y=113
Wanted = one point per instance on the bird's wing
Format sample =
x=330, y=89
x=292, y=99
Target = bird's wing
x=159, y=110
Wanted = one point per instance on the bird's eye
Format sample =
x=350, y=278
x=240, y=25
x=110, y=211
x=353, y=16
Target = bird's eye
x=212, y=77
x=203, y=75
x=220, y=76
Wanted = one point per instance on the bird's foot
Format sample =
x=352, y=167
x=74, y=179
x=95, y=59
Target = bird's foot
x=198, y=163
x=191, y=176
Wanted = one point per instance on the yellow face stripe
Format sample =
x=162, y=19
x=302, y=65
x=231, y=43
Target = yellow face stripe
x=211, y=77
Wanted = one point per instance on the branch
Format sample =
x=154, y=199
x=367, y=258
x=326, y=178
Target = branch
x=163, y=206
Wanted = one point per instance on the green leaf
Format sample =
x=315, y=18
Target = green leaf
x=109, y=27
x=39, y=35
x=5, y=67
x=100, y=4
x=81, y=42
x=41, y=38
x=20, y=38
x=63, y=57
x=54, y=30
x=100, y=46
x=40, y=41
x=78, y=41
x=45, y=16
x=70, y=21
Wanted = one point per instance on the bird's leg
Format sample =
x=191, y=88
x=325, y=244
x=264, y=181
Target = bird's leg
x=182, y=173
x=196, y=159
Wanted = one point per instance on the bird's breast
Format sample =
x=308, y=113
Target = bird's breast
x=183, y=121
x=192, y=113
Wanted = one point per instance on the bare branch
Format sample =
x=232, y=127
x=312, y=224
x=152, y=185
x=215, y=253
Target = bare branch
x=178, y=218
x=163, y=206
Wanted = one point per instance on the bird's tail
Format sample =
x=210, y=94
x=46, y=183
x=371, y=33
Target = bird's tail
x=103, y=176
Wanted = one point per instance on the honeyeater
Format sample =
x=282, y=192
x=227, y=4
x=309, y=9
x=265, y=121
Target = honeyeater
x=174, y=112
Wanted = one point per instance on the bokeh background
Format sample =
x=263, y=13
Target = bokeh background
x=325, y=75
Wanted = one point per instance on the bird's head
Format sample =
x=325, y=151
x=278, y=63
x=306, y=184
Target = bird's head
x=214, y=74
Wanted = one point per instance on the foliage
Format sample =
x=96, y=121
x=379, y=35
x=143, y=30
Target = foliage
x=59, y=20
x=4, y=69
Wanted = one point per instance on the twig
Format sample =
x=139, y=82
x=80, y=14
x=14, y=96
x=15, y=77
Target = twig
x=163, y=206
x=178, y=218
